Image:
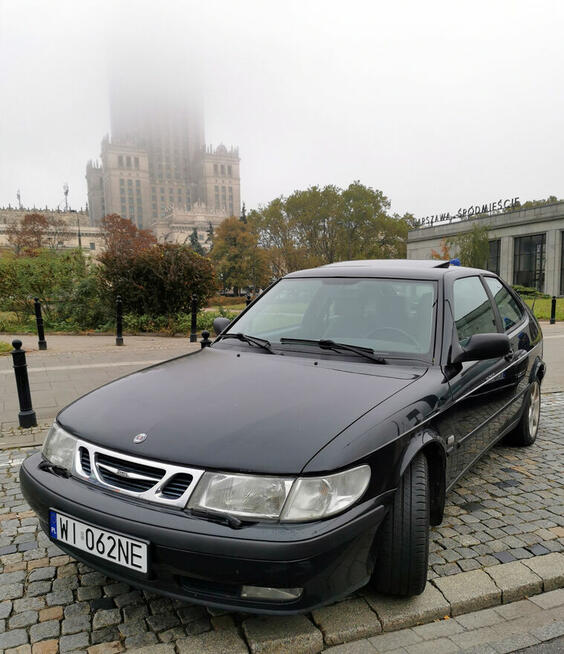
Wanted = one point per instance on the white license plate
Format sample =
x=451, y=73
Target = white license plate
x=122, y=550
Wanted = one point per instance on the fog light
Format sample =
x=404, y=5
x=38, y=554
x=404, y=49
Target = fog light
x=276, y=594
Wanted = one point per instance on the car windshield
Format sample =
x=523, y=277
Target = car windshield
x=394, y=316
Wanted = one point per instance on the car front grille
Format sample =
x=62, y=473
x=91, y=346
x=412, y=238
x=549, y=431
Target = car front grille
x=85, y=460
x=127, y=474
x=177, y=486
x=154, y=481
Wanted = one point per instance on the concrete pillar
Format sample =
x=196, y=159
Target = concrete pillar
x=506, y=259
x=552, y=263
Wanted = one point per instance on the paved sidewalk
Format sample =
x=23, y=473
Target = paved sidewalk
x=75, y=365
x=499, y=630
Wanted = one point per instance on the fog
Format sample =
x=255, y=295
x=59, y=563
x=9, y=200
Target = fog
x=438, y=104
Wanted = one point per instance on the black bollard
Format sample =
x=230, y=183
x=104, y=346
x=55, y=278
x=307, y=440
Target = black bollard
x=39, y=320
x=119, y=321
x=193, y=319
x=248, y=299
x=26, y=416
x=553, y=310
x=205, y=342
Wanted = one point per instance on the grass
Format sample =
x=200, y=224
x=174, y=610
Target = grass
x=5, y=348
x=229, y=307
x=542, y=307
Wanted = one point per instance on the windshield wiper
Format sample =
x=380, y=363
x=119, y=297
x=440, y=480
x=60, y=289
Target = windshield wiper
x=326, y=344
x=251, y=340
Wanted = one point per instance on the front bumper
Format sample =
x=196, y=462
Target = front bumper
x=207, y=562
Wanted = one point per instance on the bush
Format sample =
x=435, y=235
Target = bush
x=179, y=324
x=50, y=276
x=527, y=291
x=158, y=281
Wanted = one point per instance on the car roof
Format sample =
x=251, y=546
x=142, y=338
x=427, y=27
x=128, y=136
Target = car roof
x=398, y=268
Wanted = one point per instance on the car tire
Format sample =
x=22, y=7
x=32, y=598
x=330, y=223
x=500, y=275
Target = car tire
x=403, y=546
x=525, y=433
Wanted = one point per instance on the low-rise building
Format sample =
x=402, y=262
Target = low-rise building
x=177, y=226
x=526, y=245
x=69, y=229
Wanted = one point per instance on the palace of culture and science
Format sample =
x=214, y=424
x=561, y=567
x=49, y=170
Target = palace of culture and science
x=156, y=168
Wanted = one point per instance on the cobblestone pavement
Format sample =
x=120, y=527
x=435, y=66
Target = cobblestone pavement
x=510, y=507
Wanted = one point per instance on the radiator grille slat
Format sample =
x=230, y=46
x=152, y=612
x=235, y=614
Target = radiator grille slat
x=85, y=460
x=109, y=469
x=176, y=486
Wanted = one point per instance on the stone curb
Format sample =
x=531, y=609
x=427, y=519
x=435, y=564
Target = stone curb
x=443, y=598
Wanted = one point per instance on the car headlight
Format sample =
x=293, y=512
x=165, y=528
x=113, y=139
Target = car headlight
x=280, y=498
x=313, y=498
x=59, y=447
x=244, y=496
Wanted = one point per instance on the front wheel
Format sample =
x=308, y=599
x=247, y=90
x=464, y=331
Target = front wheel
x=526, y=431
x=403, y=547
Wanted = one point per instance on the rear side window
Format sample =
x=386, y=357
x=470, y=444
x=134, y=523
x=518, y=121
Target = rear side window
x=509, y=310
x=473, y=311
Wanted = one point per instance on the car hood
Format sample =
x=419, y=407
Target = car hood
x=233, y=410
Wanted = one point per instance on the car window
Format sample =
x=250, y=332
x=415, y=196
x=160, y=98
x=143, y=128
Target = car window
x=473, y=311
x=387, y=315
x=509, y=310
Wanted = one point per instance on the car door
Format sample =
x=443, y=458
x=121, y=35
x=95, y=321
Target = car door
x=476, y=391
x=517, y=325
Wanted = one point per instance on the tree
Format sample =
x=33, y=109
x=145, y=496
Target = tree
x=243, y=217
x=238, y=260
x=531, y=204
x=27, y=237
x=122, y=237
x=55, y=235
x=209, y=238
x=195, y=242
x=473, y=247
x=50, y=276
x=322, y=225
x=157, y=281
x=443, y=253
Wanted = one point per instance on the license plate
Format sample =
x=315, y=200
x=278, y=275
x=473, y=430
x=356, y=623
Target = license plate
x=122, y=550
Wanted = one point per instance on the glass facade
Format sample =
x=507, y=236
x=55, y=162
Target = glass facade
x=529, y=261
x=493, y=257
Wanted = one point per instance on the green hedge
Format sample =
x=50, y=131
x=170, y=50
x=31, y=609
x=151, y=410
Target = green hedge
x=527, y=291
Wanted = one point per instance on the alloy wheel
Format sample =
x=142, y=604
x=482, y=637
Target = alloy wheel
x=534, y=409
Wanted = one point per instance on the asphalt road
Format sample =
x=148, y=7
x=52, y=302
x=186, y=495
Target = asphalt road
x=554, y=356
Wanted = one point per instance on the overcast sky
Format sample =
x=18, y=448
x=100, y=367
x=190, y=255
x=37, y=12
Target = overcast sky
x=438, y=104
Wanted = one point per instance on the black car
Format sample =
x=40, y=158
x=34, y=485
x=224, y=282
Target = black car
x=307, y=451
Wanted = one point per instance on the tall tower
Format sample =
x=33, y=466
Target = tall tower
x=156, y=159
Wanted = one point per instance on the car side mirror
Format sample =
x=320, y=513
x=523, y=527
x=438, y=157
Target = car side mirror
x=219, y=324
x=483, y=346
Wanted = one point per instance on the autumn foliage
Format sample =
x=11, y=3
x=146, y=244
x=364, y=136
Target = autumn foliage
x=121, y=236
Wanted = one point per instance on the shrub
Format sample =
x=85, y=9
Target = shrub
x=527, y=291
x=158, y=281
